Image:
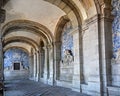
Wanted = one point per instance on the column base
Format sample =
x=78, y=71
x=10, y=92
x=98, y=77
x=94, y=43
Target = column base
x=51, y=80
x=37, y=77
x=113, y=91
x=45, y=78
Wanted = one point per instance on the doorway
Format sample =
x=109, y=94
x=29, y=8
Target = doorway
x=16, y=66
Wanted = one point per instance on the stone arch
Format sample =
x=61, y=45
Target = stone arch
x=13, y=55
x=28, y=25
x=78, y=7
x=58, y=43
x=97, y=5
x=59, y=27
x=22, y=48
x=18, y=39
x=70, y=9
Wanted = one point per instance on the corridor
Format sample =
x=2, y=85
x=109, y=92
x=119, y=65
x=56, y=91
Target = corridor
x=31, y=88
x=74, y=44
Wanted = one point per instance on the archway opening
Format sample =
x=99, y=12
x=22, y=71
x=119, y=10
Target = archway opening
x=16, y=64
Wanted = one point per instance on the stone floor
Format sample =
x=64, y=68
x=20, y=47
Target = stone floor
x=31, y=88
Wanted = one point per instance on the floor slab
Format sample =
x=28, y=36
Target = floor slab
x=31, y=88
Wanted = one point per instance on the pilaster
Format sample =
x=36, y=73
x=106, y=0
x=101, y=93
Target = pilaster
x=76, y=53
x=31, y=66
x=45, y=76
x=51, y=65
x=57, y=58
x=38, y=66
x=35, y=65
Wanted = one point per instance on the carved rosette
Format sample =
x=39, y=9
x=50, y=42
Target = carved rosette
x=116, y=31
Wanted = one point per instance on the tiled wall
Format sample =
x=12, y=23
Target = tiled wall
x=15, y=55
x=116, y=26
x=67, y=38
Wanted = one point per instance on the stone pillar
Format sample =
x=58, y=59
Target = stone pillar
x=42, y=55
x=46, y=65
x=31, y=66
x=38, y=66
x=76, y=54
x=1, y=61
x=35, y=66
x=51, y=65
x=57, y=56
x=2, y=19
x=105, y=40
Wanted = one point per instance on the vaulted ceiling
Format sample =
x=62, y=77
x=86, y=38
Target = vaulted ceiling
x=40, y=19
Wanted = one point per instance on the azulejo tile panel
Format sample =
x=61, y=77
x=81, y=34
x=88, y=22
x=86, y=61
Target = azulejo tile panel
x=15, y=55
x=116, y=26
x=66, y=38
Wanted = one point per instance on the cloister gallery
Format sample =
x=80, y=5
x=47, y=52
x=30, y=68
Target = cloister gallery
x=70, y=43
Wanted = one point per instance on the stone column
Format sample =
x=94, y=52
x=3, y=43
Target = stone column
x=31, y=66
x=46, y=65
x=51, y=65
x=42, y=53
x=38, y=66
x=2, y=19
x=1, y=61
x=105, y=34
x=57, y=56
x=35, y=66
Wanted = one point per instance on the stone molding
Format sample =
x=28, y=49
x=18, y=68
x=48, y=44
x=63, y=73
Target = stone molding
x=74, y=30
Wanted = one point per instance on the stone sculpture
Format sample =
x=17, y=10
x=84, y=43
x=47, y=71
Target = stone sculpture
x=68, y=58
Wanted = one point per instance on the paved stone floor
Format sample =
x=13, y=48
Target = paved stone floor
x=31, y=88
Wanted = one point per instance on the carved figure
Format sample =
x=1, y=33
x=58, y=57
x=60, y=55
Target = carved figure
x=68, y=57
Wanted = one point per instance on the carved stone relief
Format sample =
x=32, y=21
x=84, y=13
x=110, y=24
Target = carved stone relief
x=66, y=66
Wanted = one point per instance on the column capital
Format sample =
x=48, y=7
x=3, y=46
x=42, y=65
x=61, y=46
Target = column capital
x=2, y=15
x=44, y=48
x=49, y=46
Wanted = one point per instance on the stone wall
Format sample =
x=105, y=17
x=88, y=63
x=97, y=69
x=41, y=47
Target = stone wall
x=91, y=75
